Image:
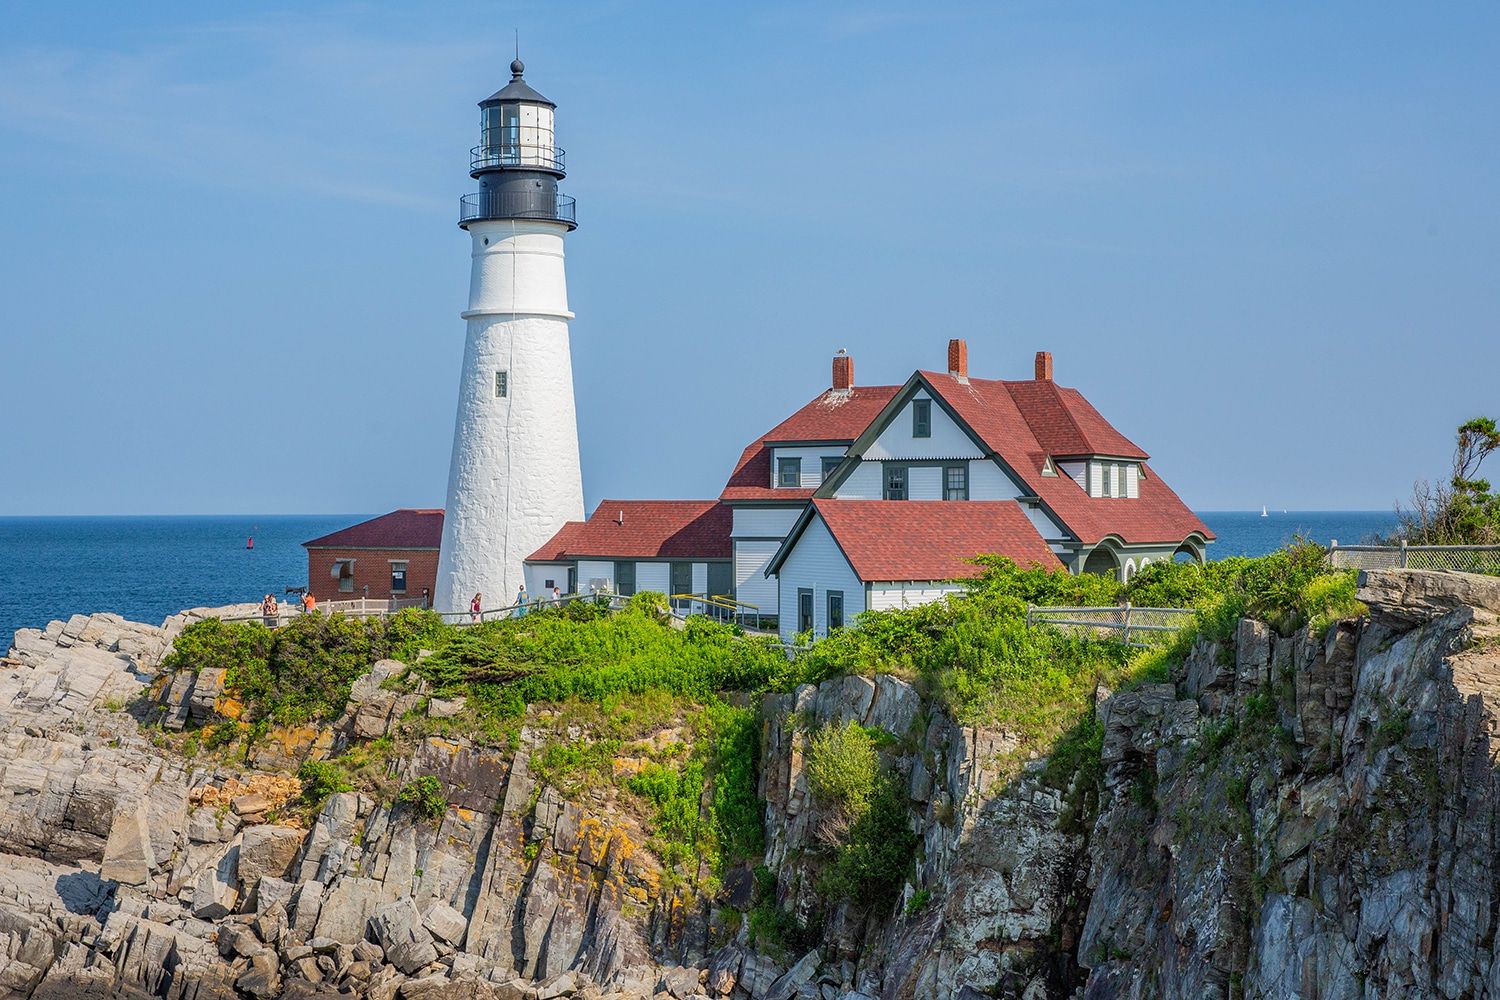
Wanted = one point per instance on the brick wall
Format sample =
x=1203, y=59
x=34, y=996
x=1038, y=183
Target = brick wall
x=372, y=567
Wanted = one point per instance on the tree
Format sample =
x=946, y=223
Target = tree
x=1462, y=511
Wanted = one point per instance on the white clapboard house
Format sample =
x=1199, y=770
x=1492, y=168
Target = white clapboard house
x=874, y=497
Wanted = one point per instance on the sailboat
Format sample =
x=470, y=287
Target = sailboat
x=1263, y=511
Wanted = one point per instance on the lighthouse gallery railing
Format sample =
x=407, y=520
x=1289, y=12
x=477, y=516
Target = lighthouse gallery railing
x=517, y=205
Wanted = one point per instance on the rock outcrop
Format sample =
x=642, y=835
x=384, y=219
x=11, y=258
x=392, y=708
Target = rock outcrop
x=1304, y=816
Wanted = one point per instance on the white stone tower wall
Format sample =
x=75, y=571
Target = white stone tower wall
x=514, y=477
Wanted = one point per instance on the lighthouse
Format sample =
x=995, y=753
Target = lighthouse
x=514, y=476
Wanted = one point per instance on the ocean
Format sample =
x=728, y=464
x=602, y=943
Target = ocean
x=146, y=568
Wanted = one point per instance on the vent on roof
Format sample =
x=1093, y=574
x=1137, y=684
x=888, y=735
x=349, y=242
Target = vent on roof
x=843, y=371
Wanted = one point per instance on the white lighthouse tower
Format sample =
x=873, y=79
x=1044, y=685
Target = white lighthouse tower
x=514, y=477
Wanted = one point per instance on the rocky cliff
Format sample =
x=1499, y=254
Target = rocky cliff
x=1290, y=816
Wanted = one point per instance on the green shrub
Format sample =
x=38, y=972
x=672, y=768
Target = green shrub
x=214, y=643
x=425, y=796
x=842, y=767
x=876, y=854
x=320, y=779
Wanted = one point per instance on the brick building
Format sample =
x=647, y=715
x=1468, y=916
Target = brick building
x=393, y=556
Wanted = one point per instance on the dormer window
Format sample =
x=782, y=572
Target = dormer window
x=789, y=472
x=921, y=418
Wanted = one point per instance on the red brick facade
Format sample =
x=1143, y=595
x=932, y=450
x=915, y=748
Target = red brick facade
x=372, y=568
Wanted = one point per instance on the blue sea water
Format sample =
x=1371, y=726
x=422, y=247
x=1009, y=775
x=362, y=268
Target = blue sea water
x=147, y=568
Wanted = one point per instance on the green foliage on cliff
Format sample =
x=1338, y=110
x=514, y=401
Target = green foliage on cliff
x=1464, y=509
x=303, y=670
x=425, y=796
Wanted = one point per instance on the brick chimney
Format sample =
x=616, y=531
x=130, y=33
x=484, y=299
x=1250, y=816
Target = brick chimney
x=1044, y=366
x=958, y=358
x=843, y=370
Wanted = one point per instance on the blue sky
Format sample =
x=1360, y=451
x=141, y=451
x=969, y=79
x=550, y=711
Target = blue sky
x=1263, y=240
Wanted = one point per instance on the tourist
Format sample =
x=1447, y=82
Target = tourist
x=309, y=602
x=556, y=594
x=269, y=611
x=474, y=608
x=520, y=600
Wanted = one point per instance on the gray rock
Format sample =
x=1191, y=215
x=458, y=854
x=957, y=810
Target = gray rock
x=267, y=850
x=214, y=893
x=399, y=929
x=803, y=972
x=445, y=708
x=128, y=855
x=444, y=922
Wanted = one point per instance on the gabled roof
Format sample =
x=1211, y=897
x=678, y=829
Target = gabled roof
x=905, y=540
x=407, y=528
x=644, y=529
x=835, y=415
x=994, y=411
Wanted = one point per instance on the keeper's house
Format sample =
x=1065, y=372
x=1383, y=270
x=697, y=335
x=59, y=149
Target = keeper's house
x=392, y=557
x=876, y=497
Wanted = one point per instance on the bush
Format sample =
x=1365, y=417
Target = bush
x=876, y=854
x=842, y=767
x=320, y=779
x=225, y=645
x=425, y=796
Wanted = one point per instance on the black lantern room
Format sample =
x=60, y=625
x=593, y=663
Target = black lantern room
x=517, y=162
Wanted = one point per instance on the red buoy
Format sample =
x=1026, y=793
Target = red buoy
x=250, y=542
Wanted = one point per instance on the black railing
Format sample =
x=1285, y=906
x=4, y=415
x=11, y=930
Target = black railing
x=517, y=205
x=517, y=154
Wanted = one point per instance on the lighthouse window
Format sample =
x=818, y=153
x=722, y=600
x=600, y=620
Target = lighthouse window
x=789, y=472
x=502, y=385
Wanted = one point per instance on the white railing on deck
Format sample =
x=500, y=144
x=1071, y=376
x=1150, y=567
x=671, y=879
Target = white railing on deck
x=1128, y=624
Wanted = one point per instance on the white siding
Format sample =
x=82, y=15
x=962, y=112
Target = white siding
x=864, y=483
x=655, y=576
x=816, y=563
x=1049, y=529
x=811, y=459
x=1096, y=479
x=924, y=482
x=987, y=481
x=764, y=522
x=537, y=575
x=590, y=572
x=751, y=585
x=1077, y=471
x=948, y=440
x=890, y=596
x=1133, y=481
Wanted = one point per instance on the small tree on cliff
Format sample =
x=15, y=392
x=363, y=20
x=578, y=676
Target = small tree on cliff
x=1462, y=511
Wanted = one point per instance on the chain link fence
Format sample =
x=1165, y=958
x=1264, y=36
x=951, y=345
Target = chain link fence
x=1128, y=624
x=1463, y=558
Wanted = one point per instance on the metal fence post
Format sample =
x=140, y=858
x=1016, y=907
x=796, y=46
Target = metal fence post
x=1126, y=638
x=1403, y=553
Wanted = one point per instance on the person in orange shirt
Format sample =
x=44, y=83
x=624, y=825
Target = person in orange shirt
x=308, y=602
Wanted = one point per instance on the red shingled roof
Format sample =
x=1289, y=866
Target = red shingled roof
x=931, y=539
x=995, y=411
x=834, y=416
x=651, y=529
x=407, y=528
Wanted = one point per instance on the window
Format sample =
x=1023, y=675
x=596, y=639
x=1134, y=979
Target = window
x=502, y=384
x=830, y=462
x=1106, y=472
x=789, y=472
x=956, y=482
x=804, y=610
x=921, y=418
x=343, y=570
x=835, y=609
x=398, y=577
x=625, y=578
x=895, y=483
